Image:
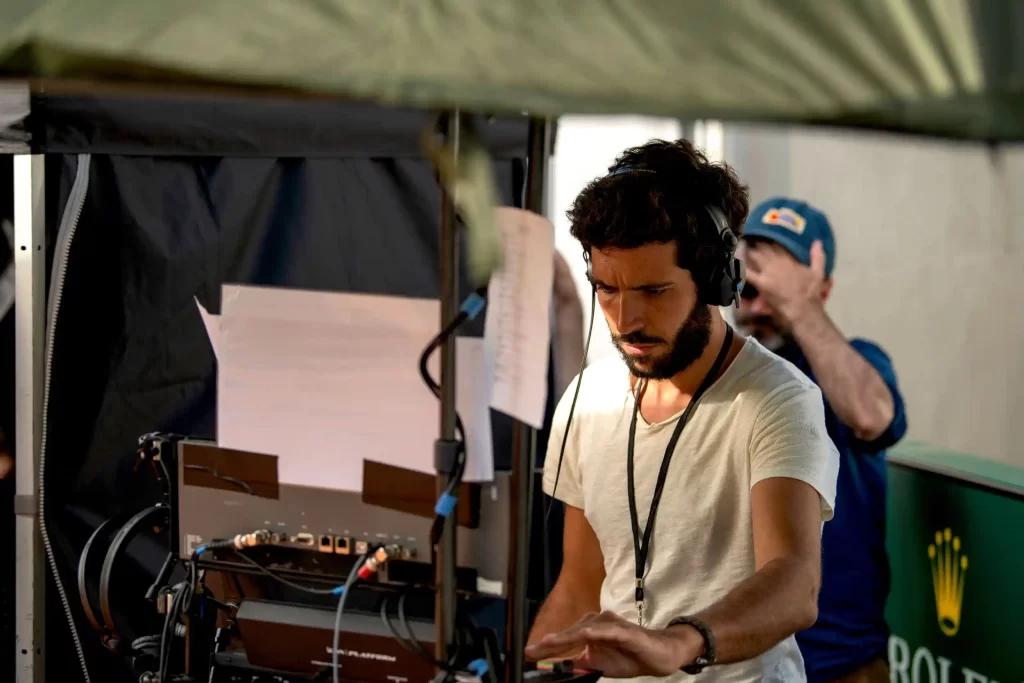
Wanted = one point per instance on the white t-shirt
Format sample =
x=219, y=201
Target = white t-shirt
x=762, y=418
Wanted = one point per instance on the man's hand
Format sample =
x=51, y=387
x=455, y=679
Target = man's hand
x=789, y=286
x=6, y=461
x=621, y=649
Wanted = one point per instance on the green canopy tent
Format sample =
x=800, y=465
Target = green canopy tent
x=949, y=68
x=941, y=67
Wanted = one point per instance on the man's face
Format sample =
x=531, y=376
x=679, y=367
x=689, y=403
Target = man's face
x=651, y=307
x=755, y=317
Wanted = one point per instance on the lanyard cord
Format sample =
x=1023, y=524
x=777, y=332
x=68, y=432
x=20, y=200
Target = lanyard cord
x=641, y=547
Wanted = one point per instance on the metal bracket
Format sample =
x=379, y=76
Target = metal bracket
x=26, y=505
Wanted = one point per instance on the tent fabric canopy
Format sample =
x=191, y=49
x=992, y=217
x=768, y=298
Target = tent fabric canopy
x=123, y=121
x=940, y=67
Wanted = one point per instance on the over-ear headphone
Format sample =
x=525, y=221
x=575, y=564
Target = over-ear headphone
x=725, y=279
x=720, y=284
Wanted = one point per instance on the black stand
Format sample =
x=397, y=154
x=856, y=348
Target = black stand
x=524, y=442
x=445, y=605
x=524, y=437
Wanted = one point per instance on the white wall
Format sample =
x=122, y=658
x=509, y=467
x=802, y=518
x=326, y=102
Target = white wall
x=929, y=264
x=584, y=149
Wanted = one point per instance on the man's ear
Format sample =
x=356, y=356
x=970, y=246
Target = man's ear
x=826, y=289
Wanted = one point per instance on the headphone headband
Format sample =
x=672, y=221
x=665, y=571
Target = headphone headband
x=726, y=278
x=622, y=170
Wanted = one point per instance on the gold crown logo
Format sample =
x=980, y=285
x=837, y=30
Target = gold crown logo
x=948, y=569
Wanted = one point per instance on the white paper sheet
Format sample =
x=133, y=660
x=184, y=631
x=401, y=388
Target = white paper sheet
x=325, y=381
x=212, y=324
x=517, y=331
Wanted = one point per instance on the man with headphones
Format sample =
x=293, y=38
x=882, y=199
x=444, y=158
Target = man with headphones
x=696, y=470
x=789, y=250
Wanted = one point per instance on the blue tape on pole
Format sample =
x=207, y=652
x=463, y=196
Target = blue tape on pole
x=472, y=306
x=200, y=550
x=445, y=504
x=479, y=667
x=338, y=591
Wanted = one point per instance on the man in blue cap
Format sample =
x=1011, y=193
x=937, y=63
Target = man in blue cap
x=789, y=251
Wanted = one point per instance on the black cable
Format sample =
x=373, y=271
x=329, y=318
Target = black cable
x=244, y=486
x=470, y=308
x=450, y=491
x=161, y=578
x=280, y=579
x=404, y=621
x=435, y=388
x=171, y=619
x=572, y=406
x=193, y=577
x=171, y=623
x=167, y=478
x=222, y=606
x=411, y=644
x=386, y=620
x=443, y=335
x=164, y=634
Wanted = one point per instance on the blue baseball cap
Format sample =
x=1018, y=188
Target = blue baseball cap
x=795, y=226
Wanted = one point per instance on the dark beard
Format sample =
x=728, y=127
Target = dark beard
x=693, y=337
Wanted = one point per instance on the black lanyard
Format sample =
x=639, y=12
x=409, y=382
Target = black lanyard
x=641, y=548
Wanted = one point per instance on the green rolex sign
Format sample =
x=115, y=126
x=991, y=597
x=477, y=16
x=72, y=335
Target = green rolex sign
x=956, y=549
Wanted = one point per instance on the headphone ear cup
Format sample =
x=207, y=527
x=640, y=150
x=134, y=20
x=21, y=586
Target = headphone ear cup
x=730, y=275
x=730, y=240
x=732, y=281
x=724, y=283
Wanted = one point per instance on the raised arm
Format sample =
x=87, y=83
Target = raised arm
x=853, y=387
x=577, y=591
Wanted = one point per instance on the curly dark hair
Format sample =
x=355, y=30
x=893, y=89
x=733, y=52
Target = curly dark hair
x=659, y=193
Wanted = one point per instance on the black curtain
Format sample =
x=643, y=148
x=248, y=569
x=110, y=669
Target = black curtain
x=131, y=355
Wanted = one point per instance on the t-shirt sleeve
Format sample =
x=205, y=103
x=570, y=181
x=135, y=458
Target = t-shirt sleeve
x=789, y=439
x=878, y=359
x=562, y=478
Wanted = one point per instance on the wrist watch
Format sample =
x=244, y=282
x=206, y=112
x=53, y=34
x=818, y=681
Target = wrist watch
x=708, y=657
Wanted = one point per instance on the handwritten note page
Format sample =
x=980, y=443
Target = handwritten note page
x=517, y=331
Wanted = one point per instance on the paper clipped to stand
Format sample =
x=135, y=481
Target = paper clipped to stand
x=518, y=326
x=327, y=380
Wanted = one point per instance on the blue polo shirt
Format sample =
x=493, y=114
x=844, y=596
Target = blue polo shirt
x=851, y=628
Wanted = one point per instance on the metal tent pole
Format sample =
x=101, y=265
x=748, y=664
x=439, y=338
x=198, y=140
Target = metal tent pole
x=30, y=330
x=444, y=605
x=524, y=438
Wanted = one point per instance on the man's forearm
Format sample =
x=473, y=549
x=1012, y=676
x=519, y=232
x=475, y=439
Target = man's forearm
x=776, y=602
x=854, y=389
x=560, y=610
